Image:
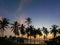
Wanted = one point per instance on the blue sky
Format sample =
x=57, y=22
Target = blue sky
x=43, y=12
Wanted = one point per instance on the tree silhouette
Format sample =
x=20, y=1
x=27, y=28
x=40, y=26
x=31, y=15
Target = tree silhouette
x=15, y=28
x=45, y=31
x=39, y=32
x=59, y=30
x=54, y=30
x=28, y=21
x=22, y=30
x=3, y=25
x=29, y=32
x=34, y=34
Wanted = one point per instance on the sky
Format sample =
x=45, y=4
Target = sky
x=42, y=12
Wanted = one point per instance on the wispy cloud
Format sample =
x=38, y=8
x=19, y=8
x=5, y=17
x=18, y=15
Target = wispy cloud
x=22, y=4
x=17, y=14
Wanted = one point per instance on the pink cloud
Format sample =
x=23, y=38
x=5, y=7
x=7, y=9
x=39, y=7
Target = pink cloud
x=20, y=12
x=21, y=20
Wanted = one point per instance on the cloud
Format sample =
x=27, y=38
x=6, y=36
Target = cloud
x=21, y=20
x=22, y=4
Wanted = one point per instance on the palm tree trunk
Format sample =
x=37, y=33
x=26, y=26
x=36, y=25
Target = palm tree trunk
x=3, y=32
x=30, y=39
x=27, y=39
x=34, y=40
x=39, y=39
x=54, y=35
x=44, y=37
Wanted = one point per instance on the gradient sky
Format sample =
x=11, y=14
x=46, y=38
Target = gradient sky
x=43, y=12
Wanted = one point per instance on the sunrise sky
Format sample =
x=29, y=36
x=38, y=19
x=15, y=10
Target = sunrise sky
x=43, y=12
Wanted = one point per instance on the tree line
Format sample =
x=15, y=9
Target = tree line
x=29, y=30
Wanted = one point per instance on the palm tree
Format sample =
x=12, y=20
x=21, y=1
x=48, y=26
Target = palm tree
x=34, y=33
x=28, y=21
x=45, y=31
x=3, y=25
x=15, y=28
x=54, y=30
x=22, y=30
x=29, y=32
x=38, y=32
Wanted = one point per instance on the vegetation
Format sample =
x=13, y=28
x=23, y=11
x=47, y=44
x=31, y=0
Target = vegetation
x=45, y=31
x=3, y=24
x=54, y=30
x=30, y=31
x=15, y=28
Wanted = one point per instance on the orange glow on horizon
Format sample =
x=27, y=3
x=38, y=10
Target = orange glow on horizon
x=49, y=36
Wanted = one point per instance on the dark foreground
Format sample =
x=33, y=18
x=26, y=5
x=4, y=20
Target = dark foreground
x=20, y=41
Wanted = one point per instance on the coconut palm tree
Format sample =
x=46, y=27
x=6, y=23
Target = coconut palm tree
x=54, y=30
x=22, y=30
x=30, y=32
x=38, y=32
x=45, y=31
x=3, y=25
x=34, y=33
x=28, y=21
x=15, y=27
x=27, y=32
